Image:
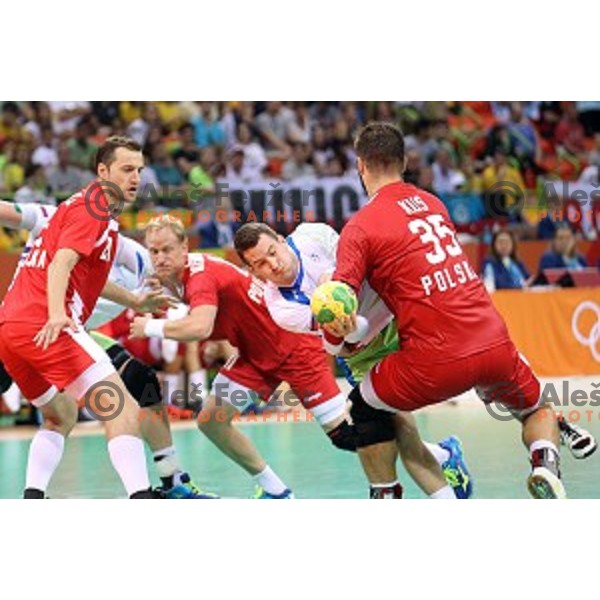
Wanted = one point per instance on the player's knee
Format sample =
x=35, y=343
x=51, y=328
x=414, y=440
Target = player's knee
x=343, y=436
x=139, y=379
x=371, y=426
x=5, y=379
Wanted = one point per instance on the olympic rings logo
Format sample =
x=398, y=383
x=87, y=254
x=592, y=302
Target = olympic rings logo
x=591, y=339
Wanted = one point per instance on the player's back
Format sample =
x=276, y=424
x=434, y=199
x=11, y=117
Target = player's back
x=405, y=244
x=242, y=316
x=73, y=227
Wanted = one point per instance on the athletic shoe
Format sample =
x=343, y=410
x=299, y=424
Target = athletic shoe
x=186, y=489
x=455, y=469
x=391, y=492
x=580, y=442
x=544, y=482
x=262, y=494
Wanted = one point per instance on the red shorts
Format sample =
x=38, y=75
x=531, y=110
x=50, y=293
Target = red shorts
x=306, y=371
x=73, y=363
x=403, y=381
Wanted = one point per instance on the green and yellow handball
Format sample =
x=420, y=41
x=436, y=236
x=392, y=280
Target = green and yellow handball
x=332, y=300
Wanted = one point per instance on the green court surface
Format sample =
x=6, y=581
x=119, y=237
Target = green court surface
x=305, y=459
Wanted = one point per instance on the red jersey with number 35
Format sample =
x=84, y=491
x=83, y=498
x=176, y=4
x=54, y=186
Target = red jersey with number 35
x=242, y=317
x=404, y=244
x=72, y=226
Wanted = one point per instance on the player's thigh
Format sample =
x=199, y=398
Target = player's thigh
x=16, y=347
x=73, y=363
x=240, y=384
x=509, y=379
x=313, y=382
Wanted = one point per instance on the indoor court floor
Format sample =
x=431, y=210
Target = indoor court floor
x=305, y=459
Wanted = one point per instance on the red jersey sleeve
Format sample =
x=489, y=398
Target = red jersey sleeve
x=352, y=257
x=80, y=231
x=202, y=290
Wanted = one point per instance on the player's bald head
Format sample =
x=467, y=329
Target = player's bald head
x=380, y=146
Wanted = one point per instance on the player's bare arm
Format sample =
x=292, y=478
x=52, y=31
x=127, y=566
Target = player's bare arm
x=59, y=272
x=10, y=216
x=197, y=326
x=151, y=301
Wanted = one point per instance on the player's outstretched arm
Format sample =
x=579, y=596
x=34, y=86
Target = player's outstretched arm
x=197, y=326
x=10, y=215
x=150, y=301
x=59, y=272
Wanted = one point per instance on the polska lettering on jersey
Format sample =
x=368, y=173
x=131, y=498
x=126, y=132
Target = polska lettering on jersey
x=444, y=280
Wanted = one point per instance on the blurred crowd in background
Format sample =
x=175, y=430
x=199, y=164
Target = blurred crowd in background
x=46, y=148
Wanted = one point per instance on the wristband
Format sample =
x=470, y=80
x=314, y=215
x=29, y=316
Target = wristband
x=155, y=328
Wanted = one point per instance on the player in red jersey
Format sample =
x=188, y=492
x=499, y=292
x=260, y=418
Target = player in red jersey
x=227, y=303
x=451, y=336
x=42, y=342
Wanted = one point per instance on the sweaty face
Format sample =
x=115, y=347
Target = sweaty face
x=123, y=172
x=272, y=260
x=167, y=253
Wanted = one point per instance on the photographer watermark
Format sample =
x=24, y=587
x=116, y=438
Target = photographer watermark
x=504, y=401
x=105, y=401
x=96, y=196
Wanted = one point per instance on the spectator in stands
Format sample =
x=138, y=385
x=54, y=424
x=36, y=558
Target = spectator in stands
x=298, y=165
x=446, y=179
x=299, y=129
x=81, y=150
x=66, y=116
x=163, y=165
x=36, y=187
x=563, y=252
x=503, y=185
x=523, y=136
x=10, y=128
x=65, y=179
x=187, y=156
x=570, y=133
x=139, y=128
x=502, y=270
x=322, y=150
x=255, y=159
x=17, y=161
x=208, y=130
x=45, y=154
x=38, y=115
x=273, y=126
x=412, y=170
x=237, y=173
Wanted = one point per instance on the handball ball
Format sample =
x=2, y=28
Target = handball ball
x=332, y=300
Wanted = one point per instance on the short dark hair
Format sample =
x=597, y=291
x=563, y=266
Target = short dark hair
x=247, y=237
x=511, y=235
x=106, y=152
x=381, y=146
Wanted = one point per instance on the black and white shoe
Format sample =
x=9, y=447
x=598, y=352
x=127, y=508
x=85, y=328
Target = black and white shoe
x=580, y=442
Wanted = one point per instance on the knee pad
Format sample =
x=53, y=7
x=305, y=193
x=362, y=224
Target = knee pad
x=343, y=437
x=5, y=379
x=372, y=426
x=139, y=379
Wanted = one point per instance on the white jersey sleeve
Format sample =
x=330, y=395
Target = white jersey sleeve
x=134, y=257
x=322, y=235
x=34, y=217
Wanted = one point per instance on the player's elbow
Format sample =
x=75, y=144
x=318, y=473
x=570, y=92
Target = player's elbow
x=202, y=330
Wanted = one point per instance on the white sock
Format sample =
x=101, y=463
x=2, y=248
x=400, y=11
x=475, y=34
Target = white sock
x=539, y=444
x=440, y=454
x=167, y=463
x=172, y=387
x=12, y=398
x=268, y=480
x=127, y=456
x=197, y=391
x=445, y=493
x=384, y=485
x=45, y=452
